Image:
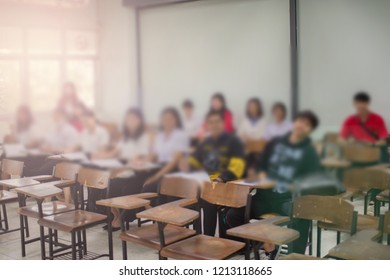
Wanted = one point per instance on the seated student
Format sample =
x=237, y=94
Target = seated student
x=61, y=137
x=284, y=160
x=253, y=126
x=191, y=123
x=134, y=148
x=94, y=137
x=364, y=126
x=170, y=145
x=24, y=130
x=221, y=155
x=280, y=125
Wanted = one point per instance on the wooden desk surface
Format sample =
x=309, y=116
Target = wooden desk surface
x=40, y=191
x=19, y=182
x=171, y=213
x=256, y=184
x=124, y=202
x=335, y=163
x=382, y=167
x=266, y=231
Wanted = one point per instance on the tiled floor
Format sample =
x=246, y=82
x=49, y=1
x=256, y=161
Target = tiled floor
x=97, y=241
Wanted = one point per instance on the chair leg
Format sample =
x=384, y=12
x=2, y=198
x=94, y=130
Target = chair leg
x=1, y=220
x=79, y=245
x=27, y=227
x=73, y=240
x=256, y=250
x=377, y=208
x=42, y=236
x=51, y=251
x=5, y=217
x=318, y=242
x=85, y=242
x=365, y=204
x=55, y=237
x=124, y=250
x=247, y=250
x=22, y=236
x=311, y=239
x=338, y=237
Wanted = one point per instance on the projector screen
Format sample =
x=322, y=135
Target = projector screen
x=191, y=50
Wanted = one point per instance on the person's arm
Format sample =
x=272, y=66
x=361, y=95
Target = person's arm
x=168, y=167
x=236, y=166
x=344, y=132
x=382, y=133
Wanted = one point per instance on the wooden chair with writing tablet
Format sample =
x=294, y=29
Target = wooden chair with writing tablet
x=255, y=146
x=9, y=169
x=170, y=219
x=77, y=221
x=202, y=247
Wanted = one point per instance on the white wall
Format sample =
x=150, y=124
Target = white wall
x=344, y=47
x=117, y=85
x=192, y=50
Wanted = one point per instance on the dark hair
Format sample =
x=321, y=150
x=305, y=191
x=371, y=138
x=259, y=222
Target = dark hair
x=259, y=107
x=280, y=106
x=362, y=97
x=214, y=113
x=188, y=104
x=221, y=98
x=127, y=134
x=21, y=126
x=310, y=116
x=173, y=111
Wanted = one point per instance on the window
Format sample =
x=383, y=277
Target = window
x=35, y=62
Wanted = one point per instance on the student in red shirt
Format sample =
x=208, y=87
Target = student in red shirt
x=365, y=126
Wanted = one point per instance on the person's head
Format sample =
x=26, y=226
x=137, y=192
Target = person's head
x=170, y=119
x=218, y=102
x=304, y=123
x=89, y=119
x=134, y=124
x=187, y=107
x=361, y=102
x=279, y=112
x=254, y=108
x=215, y=123
x=69, y=91
x=24, y=118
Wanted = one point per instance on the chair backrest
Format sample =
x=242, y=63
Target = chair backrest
x=66, y=170
x=331, y=137
x=358, y=179
x=179, y=187
x=11, y=169
x=255, y=146
x=93, y=178
x=226, y=194
x=378, y=178
x=361, y=154
x=327, y=209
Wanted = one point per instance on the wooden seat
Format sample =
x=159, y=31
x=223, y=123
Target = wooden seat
x=72, y=221
x=148, y=235
x=363, y=222
x=268, y=215
x=7, y=196
x=266, y=231
x=384, y=196
x=297, y=257
x=48, y=208
x=202, y=247
x=362, y=246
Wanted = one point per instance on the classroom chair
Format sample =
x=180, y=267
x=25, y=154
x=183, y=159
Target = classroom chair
x=77, y=221
x=9, y=169
x=64, y=174
x=202, y=247
x=151, y=235
x=255, y=146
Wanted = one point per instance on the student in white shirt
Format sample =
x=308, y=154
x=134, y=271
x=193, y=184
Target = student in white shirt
x=24, y=130
x=253, y=125
x=191, y=123
x=171, y=144
x=62, y=137
x=94, y=137
x=280, y=125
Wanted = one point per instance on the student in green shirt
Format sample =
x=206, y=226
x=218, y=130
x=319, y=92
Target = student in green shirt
x=284, y=159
